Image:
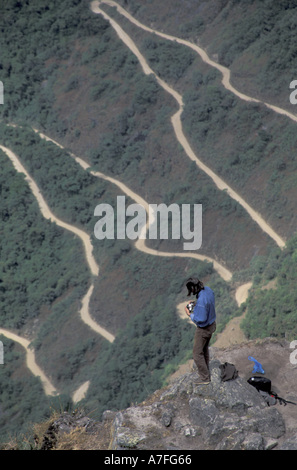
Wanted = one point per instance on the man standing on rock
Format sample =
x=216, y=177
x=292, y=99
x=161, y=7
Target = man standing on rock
x=204, y=316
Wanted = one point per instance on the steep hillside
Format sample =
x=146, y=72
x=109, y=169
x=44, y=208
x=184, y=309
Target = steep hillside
x=224, y=415
x=136, y=108
x=249, y=145
x=255, y=39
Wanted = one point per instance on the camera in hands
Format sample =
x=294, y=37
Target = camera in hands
x=191, y=305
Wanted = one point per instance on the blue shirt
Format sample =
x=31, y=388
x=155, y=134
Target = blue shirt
x=204, y=312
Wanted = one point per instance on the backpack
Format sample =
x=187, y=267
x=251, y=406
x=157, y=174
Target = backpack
x=228, y=372
x=260, y=383
x=263, y=385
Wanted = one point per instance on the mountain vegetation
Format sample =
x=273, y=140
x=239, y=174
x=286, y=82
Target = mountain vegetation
x=272, y=311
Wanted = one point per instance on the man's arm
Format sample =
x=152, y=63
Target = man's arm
x=200, y=313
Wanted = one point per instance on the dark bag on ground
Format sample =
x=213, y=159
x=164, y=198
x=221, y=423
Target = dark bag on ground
x=228, y=372
x=263, y=385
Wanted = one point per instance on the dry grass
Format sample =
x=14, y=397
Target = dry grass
x=97, y=438
x=79, y=439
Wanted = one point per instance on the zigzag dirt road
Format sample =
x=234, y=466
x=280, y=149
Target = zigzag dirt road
x=94, y=268
x=49, y=389
x=46, y=212
x=242, y=291
x=176, y=118
x=226, y=73
x=140, y=244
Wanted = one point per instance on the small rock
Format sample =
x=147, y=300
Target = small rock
x=129, y=439
x=166, y=419
x=270, y=444
x=289, y=444
x=253, y=442
x=190, y=432
x=108, y=415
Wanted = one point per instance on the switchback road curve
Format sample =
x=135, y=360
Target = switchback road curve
x=176, y=118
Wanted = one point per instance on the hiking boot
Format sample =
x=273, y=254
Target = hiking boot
x=201, y=382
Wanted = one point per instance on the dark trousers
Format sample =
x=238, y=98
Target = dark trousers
x=201, y=351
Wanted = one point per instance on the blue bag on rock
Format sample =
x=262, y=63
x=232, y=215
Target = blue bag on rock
x=257, y=367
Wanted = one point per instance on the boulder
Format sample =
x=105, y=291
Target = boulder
x=229, y=415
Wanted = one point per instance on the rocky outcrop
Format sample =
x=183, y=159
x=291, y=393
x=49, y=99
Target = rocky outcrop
x=223, y=415
x=229, y=415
